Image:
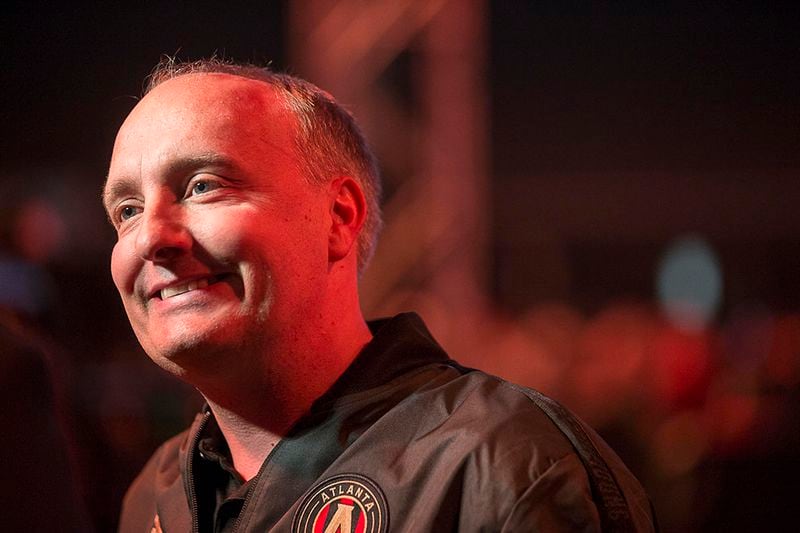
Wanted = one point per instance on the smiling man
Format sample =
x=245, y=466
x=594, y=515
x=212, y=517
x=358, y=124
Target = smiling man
x=246, y=204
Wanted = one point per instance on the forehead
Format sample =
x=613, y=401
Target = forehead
x=197, y=115
x=216, y=100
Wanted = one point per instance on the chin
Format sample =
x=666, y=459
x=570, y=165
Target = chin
x=186, y=354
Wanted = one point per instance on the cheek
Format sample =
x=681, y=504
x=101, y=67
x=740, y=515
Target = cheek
x=122, y=268
x=231, y=233
x=224, y=241
x=262, y=240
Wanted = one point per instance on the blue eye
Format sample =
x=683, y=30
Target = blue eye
x=203, y=186
x=127, y=212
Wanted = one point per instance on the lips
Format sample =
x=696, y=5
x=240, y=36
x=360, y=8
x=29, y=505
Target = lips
x=182, y=287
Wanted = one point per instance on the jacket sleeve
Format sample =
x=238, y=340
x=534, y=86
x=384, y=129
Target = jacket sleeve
x=560, y=500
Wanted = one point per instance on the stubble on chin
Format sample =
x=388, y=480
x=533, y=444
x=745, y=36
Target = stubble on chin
x=188, y=351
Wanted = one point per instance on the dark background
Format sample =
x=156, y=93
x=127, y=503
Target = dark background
x=615, y=130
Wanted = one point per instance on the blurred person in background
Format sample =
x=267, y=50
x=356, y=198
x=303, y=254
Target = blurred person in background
x=41, y=489
x=246, y=205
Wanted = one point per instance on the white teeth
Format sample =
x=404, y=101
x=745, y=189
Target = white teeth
x=169, y=292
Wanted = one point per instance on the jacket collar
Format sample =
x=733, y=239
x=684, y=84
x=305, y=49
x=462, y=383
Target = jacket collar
x=399, y=344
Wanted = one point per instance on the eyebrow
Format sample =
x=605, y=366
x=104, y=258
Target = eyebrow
x=128, y=185
x=186, y=164
x=116, y=189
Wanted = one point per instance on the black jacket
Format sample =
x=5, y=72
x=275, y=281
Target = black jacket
x=405, y=440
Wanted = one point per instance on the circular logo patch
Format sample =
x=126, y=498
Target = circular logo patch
x=347, y=503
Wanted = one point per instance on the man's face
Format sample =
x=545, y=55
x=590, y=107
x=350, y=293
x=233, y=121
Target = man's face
x=221, y=241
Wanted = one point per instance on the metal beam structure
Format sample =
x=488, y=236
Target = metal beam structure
x=413, y=73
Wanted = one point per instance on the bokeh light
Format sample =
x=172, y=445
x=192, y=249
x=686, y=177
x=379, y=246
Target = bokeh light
x=689, y=283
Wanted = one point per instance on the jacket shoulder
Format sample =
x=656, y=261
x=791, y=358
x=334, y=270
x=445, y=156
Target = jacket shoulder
x=532, y=431
x=160, y=472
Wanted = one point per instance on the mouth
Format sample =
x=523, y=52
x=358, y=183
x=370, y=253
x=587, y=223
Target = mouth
x=192, y=285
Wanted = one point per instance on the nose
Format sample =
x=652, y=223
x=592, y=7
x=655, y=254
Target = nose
x=162, y=234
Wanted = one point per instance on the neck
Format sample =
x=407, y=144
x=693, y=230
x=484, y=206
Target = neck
x=256, y=407
x=249, y=443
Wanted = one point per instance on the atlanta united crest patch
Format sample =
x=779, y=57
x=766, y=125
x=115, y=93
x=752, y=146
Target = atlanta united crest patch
x=347, y=503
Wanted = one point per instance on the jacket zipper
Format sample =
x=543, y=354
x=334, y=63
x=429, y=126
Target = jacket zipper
x=190, y=476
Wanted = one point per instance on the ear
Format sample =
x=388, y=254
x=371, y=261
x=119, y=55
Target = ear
x=348, y=212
